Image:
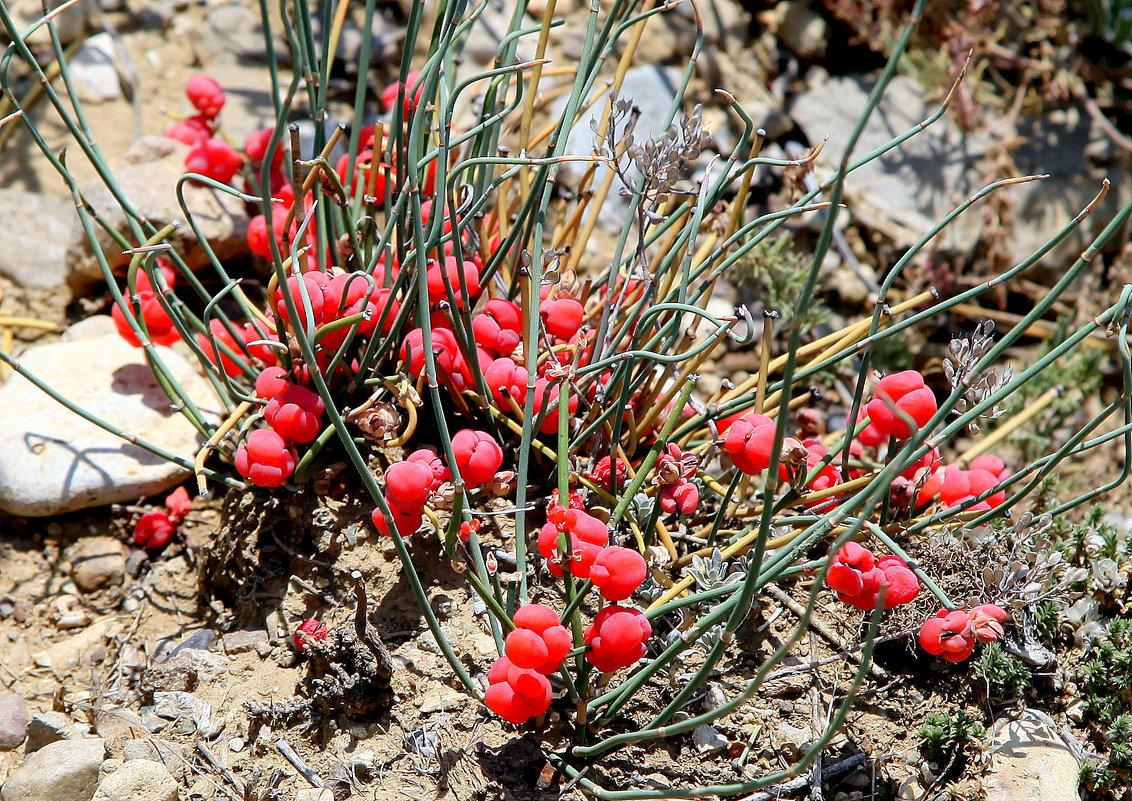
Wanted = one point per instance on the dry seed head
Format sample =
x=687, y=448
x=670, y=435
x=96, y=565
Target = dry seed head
x=380, y=422
x=959, y=368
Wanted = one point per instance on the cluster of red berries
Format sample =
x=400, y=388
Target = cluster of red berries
x=952, y=634
x=519, y=689
x=409, y=484
x=235, y=342
x=586, y=536
x=154, y=530
x=208, y=156
x=749, y=441
x=956, y=486
x=617, y=572
x=497, y=332
x=294, y=416
x=901, y=398
x=858, y=576
x=616, y=638
x=144, y=304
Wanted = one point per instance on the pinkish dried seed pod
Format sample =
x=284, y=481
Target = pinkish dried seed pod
x=379, y=422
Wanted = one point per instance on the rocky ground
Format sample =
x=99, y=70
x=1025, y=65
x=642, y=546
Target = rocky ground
x=127, y=675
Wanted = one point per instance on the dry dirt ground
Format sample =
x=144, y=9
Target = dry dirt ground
x=81, y=652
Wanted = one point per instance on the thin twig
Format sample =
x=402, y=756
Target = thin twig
x=298, y=764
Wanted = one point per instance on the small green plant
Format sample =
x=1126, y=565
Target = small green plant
x=1006, y=678
x=1047, y=621
x=946, y=736
x=1120, y=743
x=774, y=271
x=1106, y=678
x=1112, y=776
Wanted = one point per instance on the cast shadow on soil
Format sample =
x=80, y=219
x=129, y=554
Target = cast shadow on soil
x=275, y=554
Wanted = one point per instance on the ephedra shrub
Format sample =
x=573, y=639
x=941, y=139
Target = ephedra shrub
x=433, y=295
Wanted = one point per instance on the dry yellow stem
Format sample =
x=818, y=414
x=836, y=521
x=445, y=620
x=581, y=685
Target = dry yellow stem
x=532, y=91
x=214, y=440
x=29, y=322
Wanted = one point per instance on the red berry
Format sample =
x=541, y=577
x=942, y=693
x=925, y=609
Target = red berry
x=408, y=484
x=444, y=346
x=906, y=392
x=527, y=682
x=498, y=670
x=548, y=547
x=558, y=643
x=902, y=584
x=616, y=638
x=271, y=382
x=374, y=186
x=930, y=462
x=547, y=401
x=586, y=534
x=562, y=316
x=543, y=621
x=526, y=649
x=848, y=568
x=314, y=284
x=256, y=149
x=504, y=376
x=536, y=617
x=556, y=513
x=154, y=530
x=956, y=486
x=218, y=355
x=205, y=94
x=215, y=159
x=427, y=457
x=870, y=437
x=191, y=131
x=497, y=329
x=478, y=456
x=407, y=521
x=514, y=707
x=309, y=629
x=979, y=481
x=413, y=88
x=606, y=471
x=264, y=459
x=749, y=441
x=157, y=322
x=258, y=240
x=350, y=293
x=296, y=414
x=586, y=527
x=452, y=270
x=682, y=496
x=897, y=385
x=992, y=464
x=618, y=572
x=948, y=634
